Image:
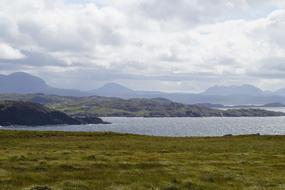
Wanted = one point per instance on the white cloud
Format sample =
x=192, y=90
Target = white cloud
x=233, y=39
x=7, y=52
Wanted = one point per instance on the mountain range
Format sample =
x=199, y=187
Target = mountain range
x=24, y=83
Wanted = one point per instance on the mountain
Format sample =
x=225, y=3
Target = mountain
x=231, y=95
x=33, y=114
x=113, y=89
x=24, y=83
x=246, y=89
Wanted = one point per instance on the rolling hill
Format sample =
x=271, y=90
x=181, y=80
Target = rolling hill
x=97, y=106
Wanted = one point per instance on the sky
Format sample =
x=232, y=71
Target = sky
x=166, y=45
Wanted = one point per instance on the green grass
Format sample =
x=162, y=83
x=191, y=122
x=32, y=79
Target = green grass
x=91, y=161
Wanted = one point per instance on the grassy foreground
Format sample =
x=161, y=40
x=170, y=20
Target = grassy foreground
x=90, y=161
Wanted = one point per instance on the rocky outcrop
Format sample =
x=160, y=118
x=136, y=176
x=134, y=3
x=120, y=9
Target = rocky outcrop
x=91, y=120
x=33, y=114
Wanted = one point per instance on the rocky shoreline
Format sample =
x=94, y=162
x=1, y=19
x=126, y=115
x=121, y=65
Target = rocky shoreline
x=33, y=114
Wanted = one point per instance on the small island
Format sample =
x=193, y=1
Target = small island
x=33, y=114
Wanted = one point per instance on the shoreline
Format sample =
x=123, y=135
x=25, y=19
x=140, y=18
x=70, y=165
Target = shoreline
x=94, y=133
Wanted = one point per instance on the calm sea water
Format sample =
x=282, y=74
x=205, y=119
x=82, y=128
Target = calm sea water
x=179, y=126
x=278, y=109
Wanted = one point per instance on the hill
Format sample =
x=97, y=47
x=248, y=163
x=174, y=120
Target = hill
x=136, y=107
x=33, y=114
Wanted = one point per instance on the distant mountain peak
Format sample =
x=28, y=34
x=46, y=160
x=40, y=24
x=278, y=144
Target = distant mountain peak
x=114, y=85
x=27, y=76
x=21, y=82
x=245, y=89
x=20, y=74
x=112, y=88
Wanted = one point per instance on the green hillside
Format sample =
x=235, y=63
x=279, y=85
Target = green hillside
x=156, y=107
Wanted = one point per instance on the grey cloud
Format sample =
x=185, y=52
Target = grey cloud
x=32, y=59
x=110, y=43
x=270, y=68
x=274, y=64
x=110, y=37
x=8, y=67
x=100, y=74
x=271, y=29
x=52, y=39
x=170, y=57
x=205, y=11
x=8, y=29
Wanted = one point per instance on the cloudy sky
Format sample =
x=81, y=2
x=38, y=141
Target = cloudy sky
x=181, y=45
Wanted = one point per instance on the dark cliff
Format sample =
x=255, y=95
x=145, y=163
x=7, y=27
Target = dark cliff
x=33, y=114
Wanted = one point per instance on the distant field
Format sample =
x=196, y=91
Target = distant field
x=91, y=161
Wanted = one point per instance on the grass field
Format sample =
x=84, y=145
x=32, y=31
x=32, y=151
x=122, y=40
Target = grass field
x=91, y=161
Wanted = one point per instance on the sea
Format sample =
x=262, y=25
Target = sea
x=178, y=127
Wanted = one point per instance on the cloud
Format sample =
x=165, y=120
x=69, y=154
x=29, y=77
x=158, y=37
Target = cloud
x=160, y=40
x=271, y=28
x=9, y=53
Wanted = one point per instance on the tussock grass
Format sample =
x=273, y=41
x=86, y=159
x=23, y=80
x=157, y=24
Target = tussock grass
x=91, y=161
